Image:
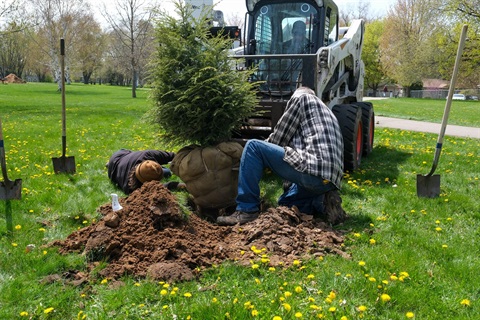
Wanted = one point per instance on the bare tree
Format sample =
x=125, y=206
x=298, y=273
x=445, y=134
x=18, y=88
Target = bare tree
x=361, y=11
x=130, y=21
x=57, y=19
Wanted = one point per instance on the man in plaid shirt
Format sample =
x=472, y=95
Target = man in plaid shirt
x=306, y=150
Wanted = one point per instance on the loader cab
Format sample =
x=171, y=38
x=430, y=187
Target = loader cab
x=283, y=38
x=290, y=27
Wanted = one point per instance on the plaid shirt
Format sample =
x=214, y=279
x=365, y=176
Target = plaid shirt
x=311, y=136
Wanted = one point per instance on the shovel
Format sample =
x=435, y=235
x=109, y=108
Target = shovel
x=63, y=164
x=428, y=186
x=8, y=189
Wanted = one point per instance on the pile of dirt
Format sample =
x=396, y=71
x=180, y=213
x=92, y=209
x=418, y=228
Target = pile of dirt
x=151, y=237
x=13, y=78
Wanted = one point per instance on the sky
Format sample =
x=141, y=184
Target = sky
x=233, y=8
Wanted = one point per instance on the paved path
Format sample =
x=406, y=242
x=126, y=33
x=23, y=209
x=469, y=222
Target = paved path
x=411, y=125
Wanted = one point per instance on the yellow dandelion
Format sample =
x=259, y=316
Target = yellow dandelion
x=385, y=297
x=297, y=262
x=271, y=269
x=255, y=266
x=18, y=227
x=166, y=285
x=214, y=300
x=42, y=229
x=277, y=318
x=104, y=281
x=287, y=294
x=344, y=318
x=254, y=313
x=257, y=281
x=393, y=277
x=298, y=289
x=14, y=244
x=357, y=235
x=298, y=315
x=287, y=307
x=48, y=310
x=163, y=292
x=444, y=246
x=465, y=302
x=438, y=229
x=372, y=279
x=332, y=309
x=361, y=263
x=410, y=315
x=136, y=284
x=332, y=295
x=310, y=276
x=187, y=295
x=372, y=241
x=24, y=314
x=362, y=308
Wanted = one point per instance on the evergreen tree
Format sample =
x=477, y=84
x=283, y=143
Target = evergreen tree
x=198, y=95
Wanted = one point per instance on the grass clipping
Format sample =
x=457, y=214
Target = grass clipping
x=151, y=237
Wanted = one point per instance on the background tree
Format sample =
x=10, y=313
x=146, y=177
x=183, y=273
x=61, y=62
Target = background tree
x=13, y=50
x=360, y=11
x=374, y=76
x=131, y=25
x=405, y=53
x=56, y=19
x=91, y=49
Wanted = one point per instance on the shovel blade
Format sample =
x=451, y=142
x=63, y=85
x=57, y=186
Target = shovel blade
x=64, y=164
x=11, y=190
x=428, y=186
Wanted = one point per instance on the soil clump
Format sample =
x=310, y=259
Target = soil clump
x=151, y=237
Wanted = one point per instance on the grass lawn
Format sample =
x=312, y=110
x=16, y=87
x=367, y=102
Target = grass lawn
x=410, y=257
x=462, y=113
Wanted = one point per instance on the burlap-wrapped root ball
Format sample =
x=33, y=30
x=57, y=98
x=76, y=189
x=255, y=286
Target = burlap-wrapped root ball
x=210, y=173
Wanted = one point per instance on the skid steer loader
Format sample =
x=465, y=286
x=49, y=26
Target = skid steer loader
x=295, y=43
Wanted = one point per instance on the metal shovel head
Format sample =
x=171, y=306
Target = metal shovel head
x=64, y=164
x=428, y=186
x=11, y=189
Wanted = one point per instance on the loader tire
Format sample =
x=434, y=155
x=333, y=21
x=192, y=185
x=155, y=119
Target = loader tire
x=349, y=117
x=368, y=121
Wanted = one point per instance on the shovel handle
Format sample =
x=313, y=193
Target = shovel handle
x=2, y=155
x=62, y=66
x=448, y=104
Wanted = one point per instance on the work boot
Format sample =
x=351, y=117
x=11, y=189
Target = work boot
x=237, y=217
x=333, y=207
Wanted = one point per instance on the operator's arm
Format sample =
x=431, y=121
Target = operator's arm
x=160, y=156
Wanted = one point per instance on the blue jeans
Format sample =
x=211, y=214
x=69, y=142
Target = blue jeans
x=306, y=191
x=166, y=173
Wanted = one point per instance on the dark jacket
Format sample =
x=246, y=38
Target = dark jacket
x=123, y=161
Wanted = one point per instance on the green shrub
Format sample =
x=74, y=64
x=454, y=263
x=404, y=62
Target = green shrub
x=198, y=96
